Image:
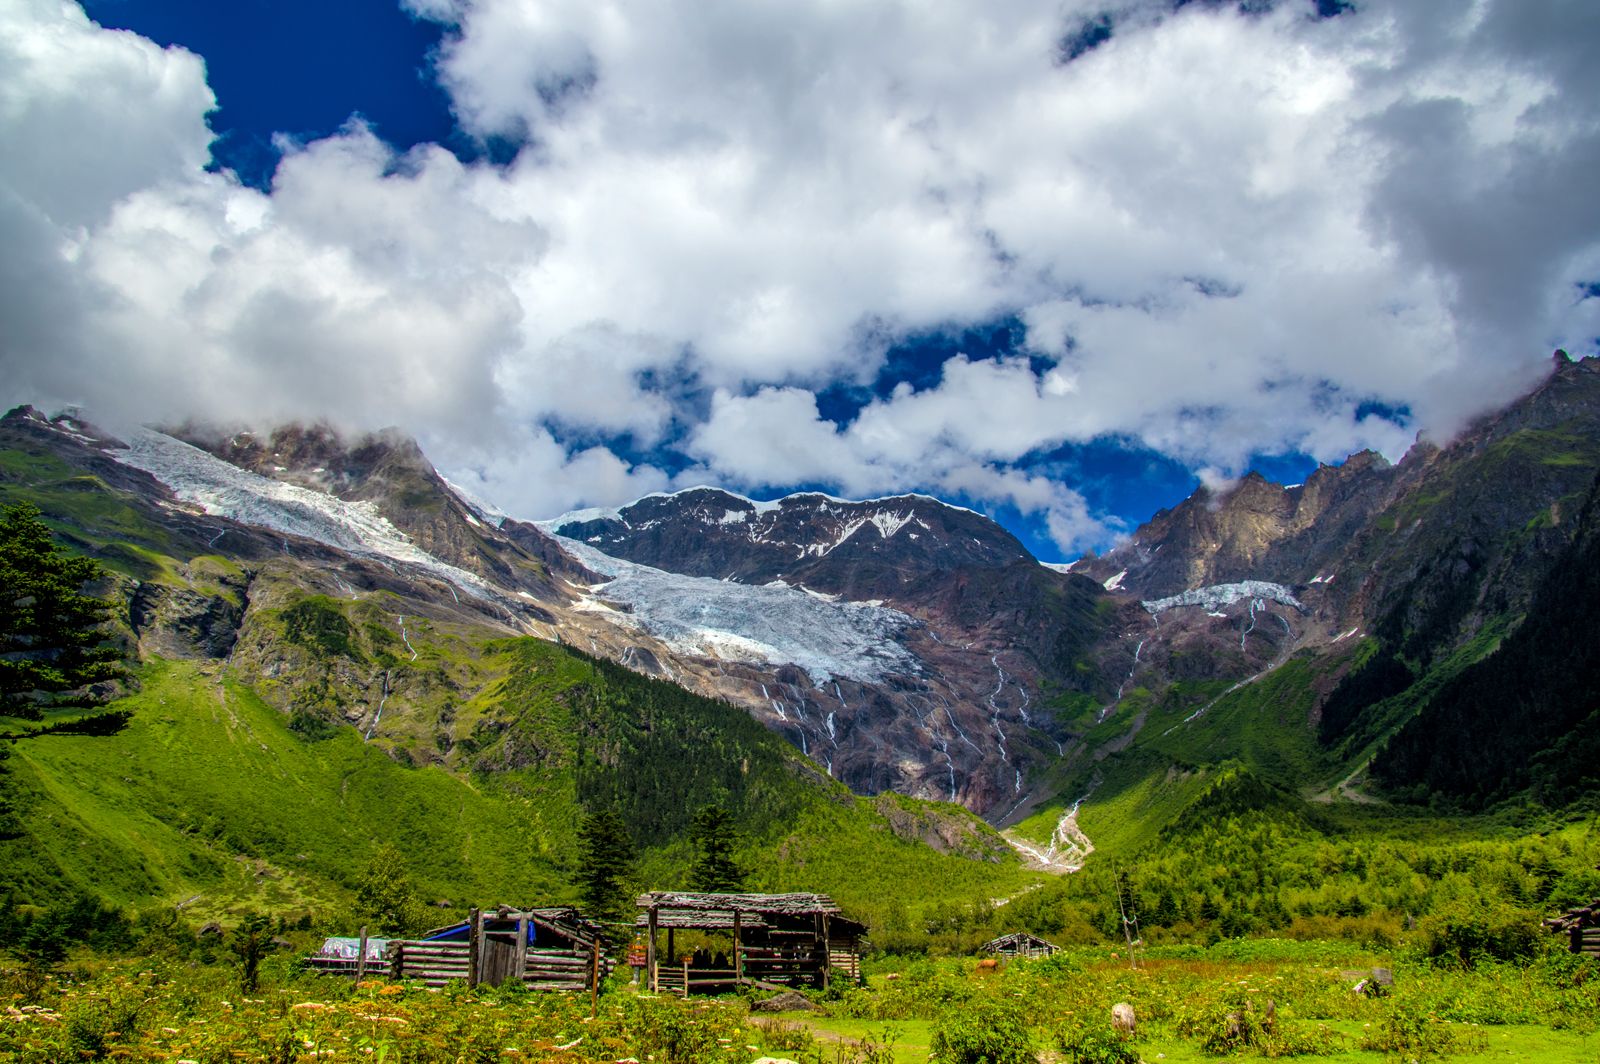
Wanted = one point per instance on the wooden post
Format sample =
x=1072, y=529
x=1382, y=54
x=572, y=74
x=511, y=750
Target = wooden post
x=522, y=947
x=361, y=956
x=474, y=944
x=827, y=951
x=686, y=978
x=594, y=979
x=650, y=950
x=738, y=950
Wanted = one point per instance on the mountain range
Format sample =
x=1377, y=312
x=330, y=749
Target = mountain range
x=1326, y=635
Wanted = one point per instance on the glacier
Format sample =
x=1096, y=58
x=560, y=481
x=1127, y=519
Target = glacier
x=1218, y=595
x=773, y=623
x=225, y=490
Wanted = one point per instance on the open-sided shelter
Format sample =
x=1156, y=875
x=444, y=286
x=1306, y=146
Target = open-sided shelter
x=1020, y=944
x=779, y=940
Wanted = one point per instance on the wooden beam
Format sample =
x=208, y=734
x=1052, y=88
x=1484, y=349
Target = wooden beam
x=522, y=947
x=827, y=950
x=650, y=951
x=474, y=946
x=738, y=954
x=361, y=957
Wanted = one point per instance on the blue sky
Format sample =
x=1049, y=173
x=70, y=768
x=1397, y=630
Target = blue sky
x=1056, y=261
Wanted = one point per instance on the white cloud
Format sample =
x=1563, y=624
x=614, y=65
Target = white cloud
x=1228, y=230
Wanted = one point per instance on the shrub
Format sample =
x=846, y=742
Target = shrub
x=1085, y=1044
x=1411, y=1033
x=987, y=1034
x=1462, y=934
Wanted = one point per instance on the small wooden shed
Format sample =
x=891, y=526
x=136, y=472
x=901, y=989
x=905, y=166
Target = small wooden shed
x=1020, y=944
x=1581, y=925
x=556, y=948
x=779, y=940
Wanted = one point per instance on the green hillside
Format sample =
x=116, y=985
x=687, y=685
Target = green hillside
x=210, y=792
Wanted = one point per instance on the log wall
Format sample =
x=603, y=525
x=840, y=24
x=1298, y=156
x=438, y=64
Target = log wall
x=437, y=963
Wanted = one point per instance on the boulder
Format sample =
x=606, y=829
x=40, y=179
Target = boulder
x=1122, y=1019
x=212, y=928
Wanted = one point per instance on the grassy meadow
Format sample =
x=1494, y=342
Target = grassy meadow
x=1191, y=1003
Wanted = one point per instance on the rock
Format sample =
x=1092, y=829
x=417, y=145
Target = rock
x=1271, y=1018
x=281, y=942
x=1122, y=1019
x=788, y=1001
x=1383, y=977
x=1235, y=1027
x=212, y=928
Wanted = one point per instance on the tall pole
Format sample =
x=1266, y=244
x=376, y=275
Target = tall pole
x=522, y=947
x=738, y=951
x=474, y=943
x=650, y=950
x=361, y=957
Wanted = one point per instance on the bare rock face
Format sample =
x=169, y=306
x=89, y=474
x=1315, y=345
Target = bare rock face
x=860, y=550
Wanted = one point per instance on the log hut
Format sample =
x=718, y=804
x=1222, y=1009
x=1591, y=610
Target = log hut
x=547, y=949
x=1020, y=944
x=779, y=941
x=1581, y=926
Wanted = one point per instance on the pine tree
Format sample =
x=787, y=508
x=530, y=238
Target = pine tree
x=250, y=943
x=714, y=869
x=50, y=642
x=605, y=871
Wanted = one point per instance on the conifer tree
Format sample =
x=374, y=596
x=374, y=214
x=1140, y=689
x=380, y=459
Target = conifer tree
x=714, y=837
x=605, y=871
x=50, y=642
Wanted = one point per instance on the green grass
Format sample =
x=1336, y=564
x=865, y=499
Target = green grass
x=209, y=792
x=207, y=783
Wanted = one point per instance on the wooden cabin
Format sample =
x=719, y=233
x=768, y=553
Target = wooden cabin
x=1020, y=944
x=1581, y=925
x=779, y=940
x=555, y=948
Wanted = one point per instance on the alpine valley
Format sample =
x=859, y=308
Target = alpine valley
x=338, y=650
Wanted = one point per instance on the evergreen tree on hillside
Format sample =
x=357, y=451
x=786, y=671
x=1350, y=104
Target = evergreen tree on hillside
x=713, y=835
x=50, y=642
x=606, y=864
x=384, y=898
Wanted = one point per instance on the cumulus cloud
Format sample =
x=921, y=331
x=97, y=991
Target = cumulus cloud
x=1225, y=233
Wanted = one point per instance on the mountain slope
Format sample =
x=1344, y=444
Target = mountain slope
x=1380, y=595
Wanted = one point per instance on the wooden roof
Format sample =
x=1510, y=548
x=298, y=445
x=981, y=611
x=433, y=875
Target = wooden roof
x=774, y=904
x=561, y=919
x=701, y=920
x=1018, y=938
